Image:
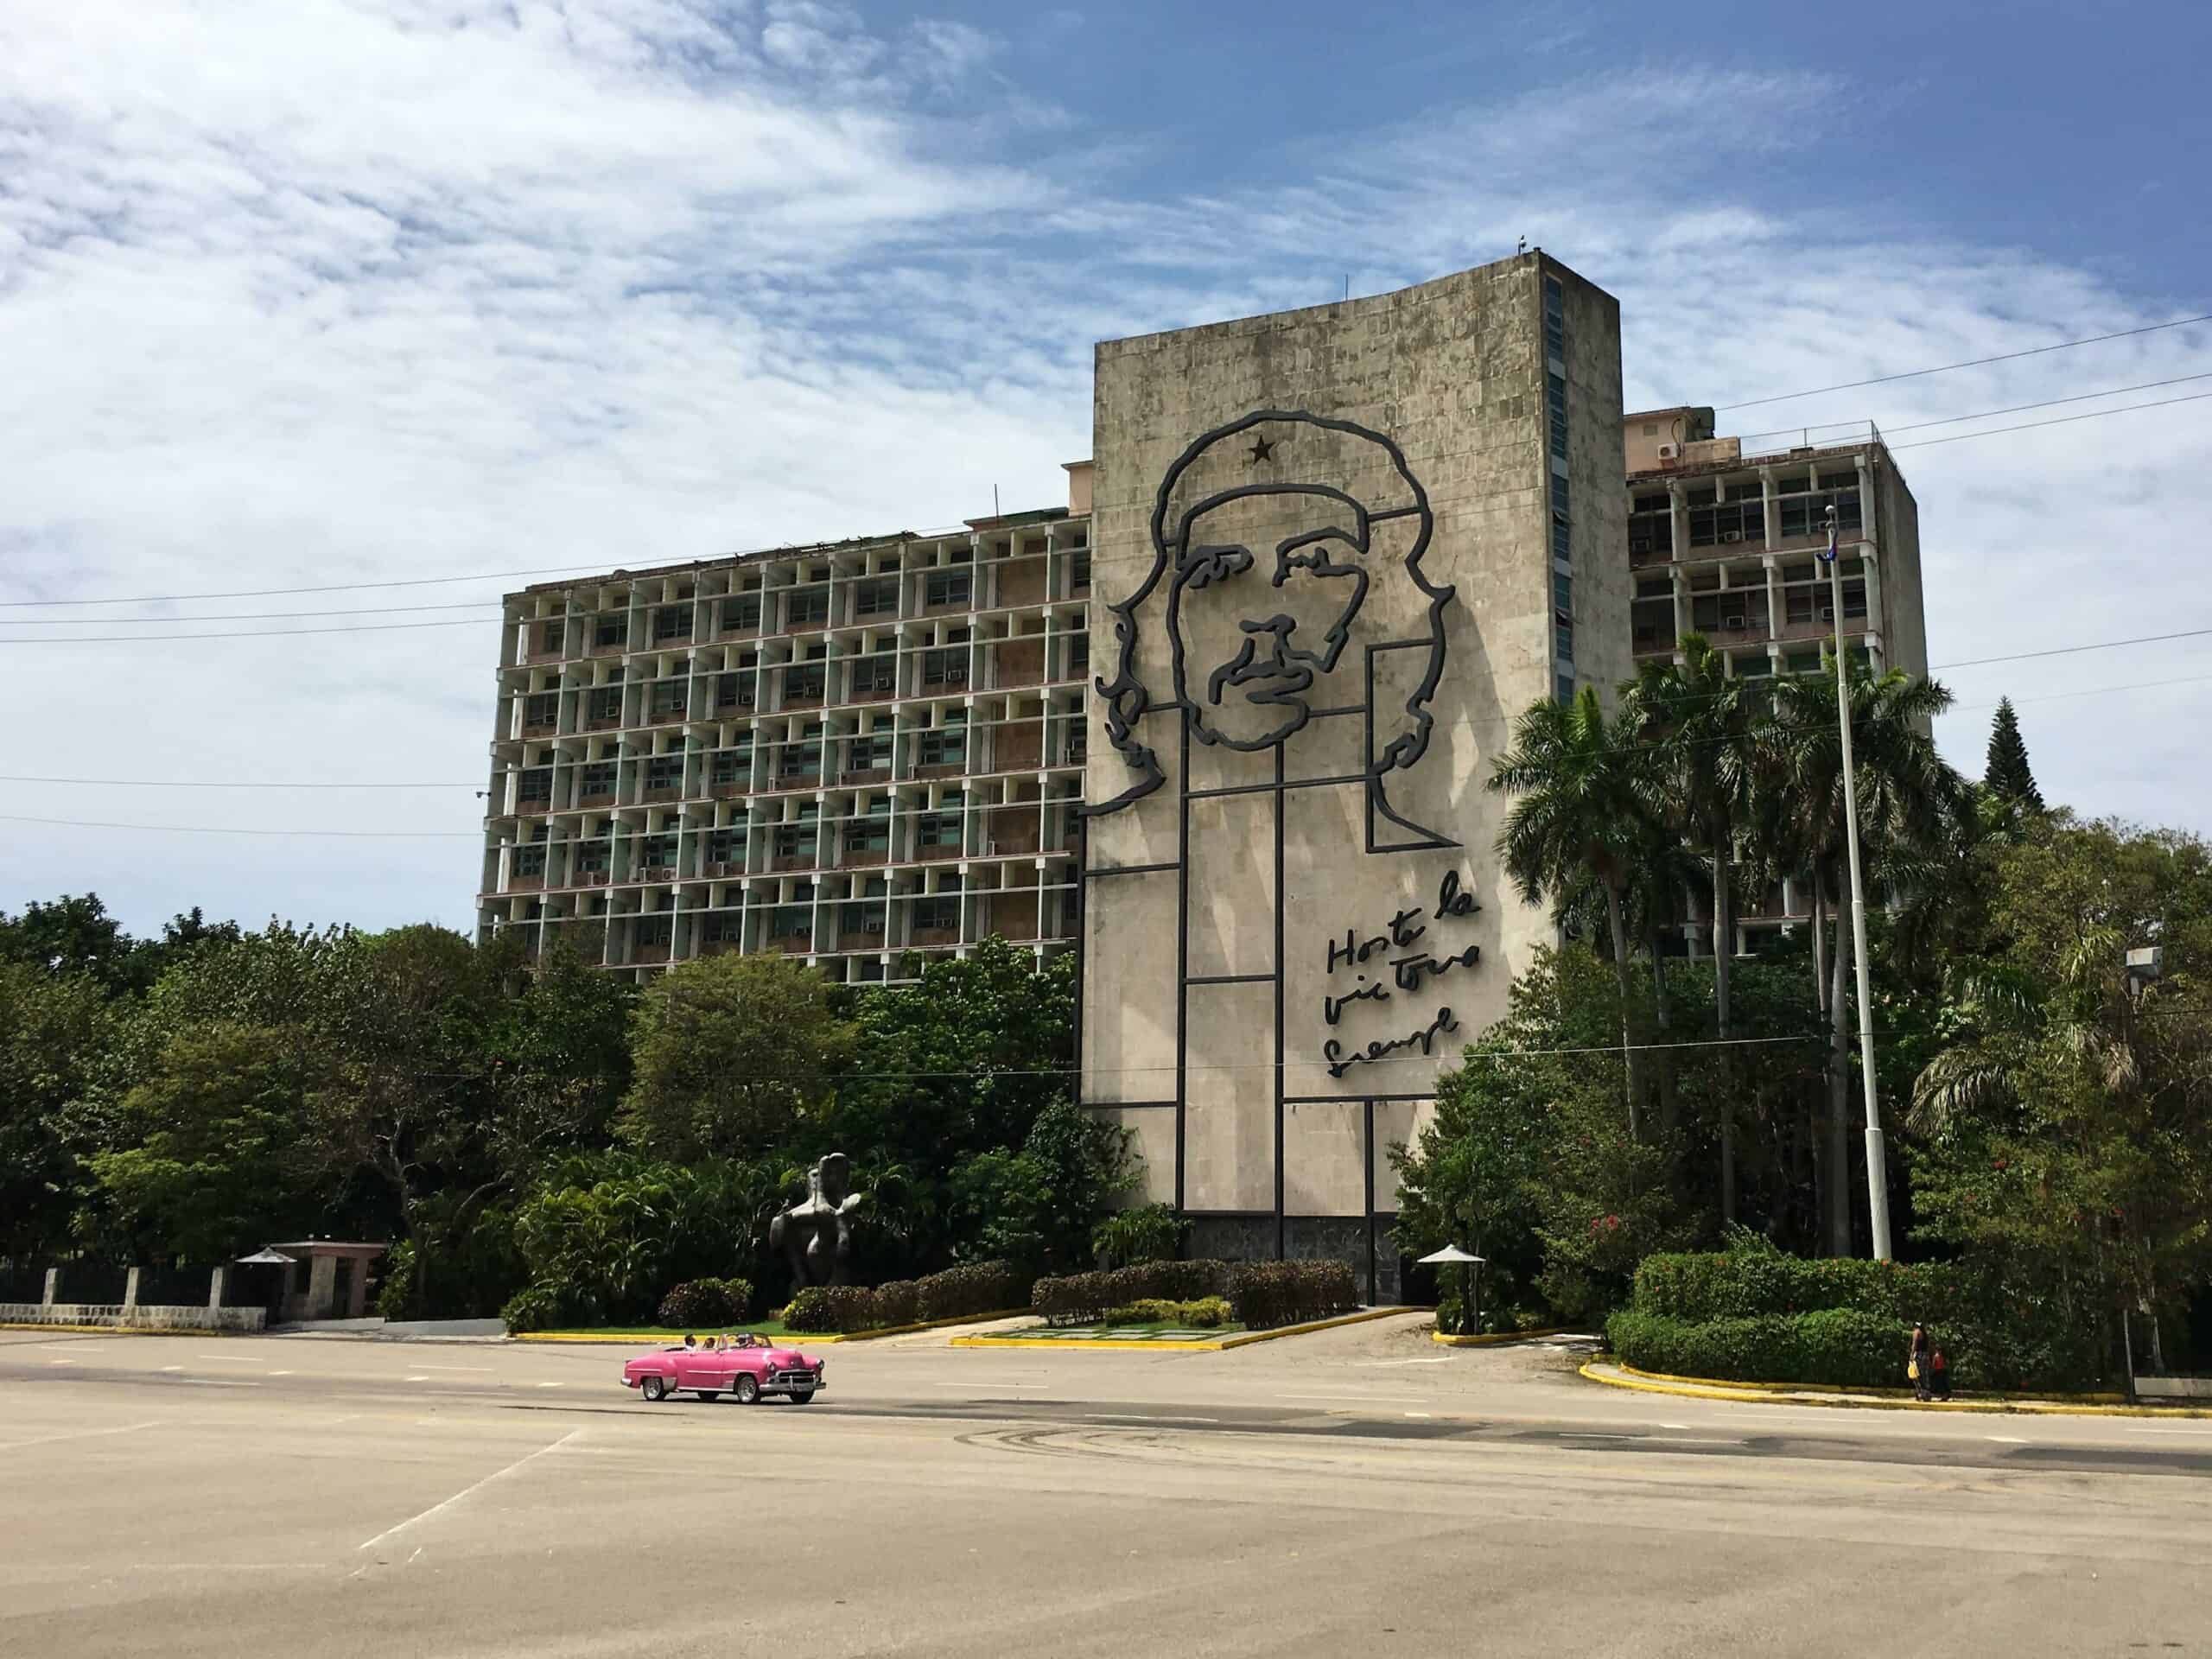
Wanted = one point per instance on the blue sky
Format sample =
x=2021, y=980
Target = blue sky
x=351, y=290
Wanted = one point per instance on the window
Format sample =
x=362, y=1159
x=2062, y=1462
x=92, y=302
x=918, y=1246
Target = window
x=944, y=747
x=1563, y=687
x=1854, y=598
x=807, y=607
x=592, y=857
x=866, y=916
x=742, y=614
x=733, y=766
x=1562, y=539
x=656, y=852
x=530, y=863
x=653, y=932
x=1555, y=318
x=606, y=704
x=805, y=683
x=598, y=779
x=669, y=697
x=876, y=674
x=726, y=846
x=869, y=754
x=1562, y=594
x=1555, y=405
x=542, y=708
x=947, y=665
x=1563, y=640
x=938, y=829
x=733, y=690
x=876, y=597
x=536, y=785
x=1559, y=494
x=791, y=922
x=610, y=631
x=869, y=831
x=1079, y=573
x=799, y=760
x=948, y=587
x=795, y=840
x=938, y=914
x=549, y=638
x=665, y=772
x=1079, y=654
x=672, y=622
x=1808, y=515
x=1728, y=522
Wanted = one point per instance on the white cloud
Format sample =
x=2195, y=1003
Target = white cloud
x=358, y=290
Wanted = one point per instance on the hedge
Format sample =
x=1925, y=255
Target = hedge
x=1840, y=1346
x=707, y=1302
x=1086, y=1298
x=1998, y=1330
x=535, y=1309
x=974, y=1288
x=1269, y=1294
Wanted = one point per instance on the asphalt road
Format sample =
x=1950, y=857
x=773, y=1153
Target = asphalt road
x=1360, y=1490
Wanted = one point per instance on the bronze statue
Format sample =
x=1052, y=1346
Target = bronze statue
x=816, y=1235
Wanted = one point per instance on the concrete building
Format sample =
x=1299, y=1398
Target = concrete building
x=1337, y=550
x=1724, y=535
x=860, y=754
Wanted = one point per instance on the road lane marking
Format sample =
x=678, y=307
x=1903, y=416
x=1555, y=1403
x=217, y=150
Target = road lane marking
x=77, y=1434
x=2139, y=1430
x=456, y=1368
x=214, y=1382
x=425, y=1379
x=74, y=1347
x=557, y=1385
x=2001, y=1439
x=287, y=1373
x=179, y=1368
x=496, y=1474
x=1343, y=1399
x=1441, y=1359
x=1424, y=1413
x=989, y=1382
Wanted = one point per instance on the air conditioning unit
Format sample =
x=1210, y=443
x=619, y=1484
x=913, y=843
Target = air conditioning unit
x=1736, y=624
x=1731, y=535
x=1638, y=544
x=1670, y=452
x=1827, y=615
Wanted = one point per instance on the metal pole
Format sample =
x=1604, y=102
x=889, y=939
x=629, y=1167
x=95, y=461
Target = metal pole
x=1878, y=1190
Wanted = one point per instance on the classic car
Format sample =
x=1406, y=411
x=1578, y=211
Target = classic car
x=748, y=1370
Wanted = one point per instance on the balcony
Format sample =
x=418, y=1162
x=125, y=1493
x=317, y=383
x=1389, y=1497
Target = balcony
x=591, y=878
x=603, y=723
x=525, y=883
x=793, y=944
x=865, y=774
x=597, y=798
x=729, y=792
x=926, y=936
x=866, y=939
x=792, y=862
x=665, y=717
x=661, y=792
x=615, y=649
x=855, y=858
x=929, y=855
x=655, y=873
x=721, y=869
x=541, y=728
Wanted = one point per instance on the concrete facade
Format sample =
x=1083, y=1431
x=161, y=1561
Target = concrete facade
x=1336, y=551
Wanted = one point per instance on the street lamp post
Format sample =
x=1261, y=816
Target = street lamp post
x=1878, y=1190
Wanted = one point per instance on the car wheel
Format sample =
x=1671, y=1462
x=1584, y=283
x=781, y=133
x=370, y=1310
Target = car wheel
x=802, y=1396
x=747, y=1390
x=654, y=1389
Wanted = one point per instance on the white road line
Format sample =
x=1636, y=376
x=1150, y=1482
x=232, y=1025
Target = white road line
x=499, y=1474
x=1441, y=1359
x=77, y=1434
x=466, y=1368
x=1686, y=1425
x=1343, y=1399
x=2001, y=1439
x=1425, y=1413
x=179, y=1368
x=989, y=1382
x=2134, y=1430
x=72, y=1362
x=425, y=1379
x=287, y=1373
x=555, y=1385
x=229, y=1359
x=214, y=1382
x=74, y=1347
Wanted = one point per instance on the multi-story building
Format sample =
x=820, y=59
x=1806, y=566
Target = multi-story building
x=1724, y=538
x=860, y=754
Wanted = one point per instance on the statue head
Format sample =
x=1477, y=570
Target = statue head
x=833, y=1178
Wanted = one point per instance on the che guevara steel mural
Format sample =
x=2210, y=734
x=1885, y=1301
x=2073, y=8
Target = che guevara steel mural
x=1261, y=645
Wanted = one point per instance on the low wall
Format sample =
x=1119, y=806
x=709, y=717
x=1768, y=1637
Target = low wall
x=143, y=1318
x=2173, y=1388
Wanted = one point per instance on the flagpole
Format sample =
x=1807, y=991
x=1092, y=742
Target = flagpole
x=1878, y=1186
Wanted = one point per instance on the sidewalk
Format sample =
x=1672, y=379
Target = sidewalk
x=1615, y=1375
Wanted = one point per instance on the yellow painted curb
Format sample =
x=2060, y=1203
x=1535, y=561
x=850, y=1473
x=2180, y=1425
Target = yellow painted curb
x=1851, y=1388
x=1491, y=1338
x=1203, y=1345
x=789, y=1336
x=1769, y=1394
x=128, y=1330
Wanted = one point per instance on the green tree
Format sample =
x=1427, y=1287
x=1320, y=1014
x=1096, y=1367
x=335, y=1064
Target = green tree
x=213, y=1168
x=74, y=935
x=1910, y=806
x=729, y=1053
x=1705, y=722
x=2007, y=774
x=1038, y=1207
x=2068, y=1123
x=56, y=1033
x=1582, y=812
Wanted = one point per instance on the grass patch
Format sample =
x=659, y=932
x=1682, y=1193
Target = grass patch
x=1132, y=1328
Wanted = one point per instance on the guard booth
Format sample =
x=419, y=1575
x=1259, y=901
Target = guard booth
x=312, y=1279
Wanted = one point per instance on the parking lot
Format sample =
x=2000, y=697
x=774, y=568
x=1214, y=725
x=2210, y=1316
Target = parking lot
x=1361, y=1488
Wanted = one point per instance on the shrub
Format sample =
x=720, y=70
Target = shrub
x=1085, y=1298
x=538, y=1308
x=707, y=1302
x=1206, y=1313
x=1843, y=1347
x=832, y=1309
x=1268, y=1294
x=971, y=1288
x=1151, y=1232
x=900, y=1302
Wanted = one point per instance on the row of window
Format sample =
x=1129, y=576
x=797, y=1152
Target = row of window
x=801, y=607
x=1562, y=505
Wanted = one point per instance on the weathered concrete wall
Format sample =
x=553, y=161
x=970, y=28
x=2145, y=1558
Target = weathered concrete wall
x=151, y=1318
x=1453, y=373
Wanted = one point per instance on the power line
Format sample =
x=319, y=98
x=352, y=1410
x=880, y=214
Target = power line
x=327, y=588
x=2050, y=402
x=479, y=604
x=2063, y=420
x=226, y=830
x=2067, y=651
x=240, y=634
x=1971, y=363
x=224, y=783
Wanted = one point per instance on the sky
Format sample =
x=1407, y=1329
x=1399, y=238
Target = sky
x=350, y=291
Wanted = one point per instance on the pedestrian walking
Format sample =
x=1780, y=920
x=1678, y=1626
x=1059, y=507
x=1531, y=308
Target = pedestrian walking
x=1920, y=1362
x=1942, y=1380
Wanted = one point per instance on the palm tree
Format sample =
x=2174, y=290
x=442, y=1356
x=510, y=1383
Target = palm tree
x=1705, y=723
x=1582, y=815
x=1909, y=800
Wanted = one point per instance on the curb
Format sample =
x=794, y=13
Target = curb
x=619, y=1340
x=1491, y=1339
x=1856, y=1391
x=1775, y=1393
x=1207, y=1346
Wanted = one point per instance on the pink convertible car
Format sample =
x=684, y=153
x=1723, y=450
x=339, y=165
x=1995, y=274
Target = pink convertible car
x=752, y=1367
